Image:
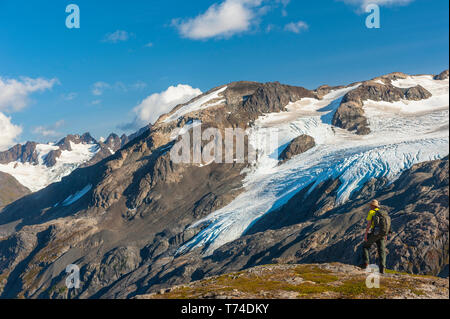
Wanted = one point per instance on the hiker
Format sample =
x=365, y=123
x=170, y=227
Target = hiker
x=378, y=227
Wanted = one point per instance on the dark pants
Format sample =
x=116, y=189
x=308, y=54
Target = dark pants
x=380, y=241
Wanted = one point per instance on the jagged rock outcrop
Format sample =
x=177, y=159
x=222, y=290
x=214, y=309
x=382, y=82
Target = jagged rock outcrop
x=64, y=144
x=22, y=153
x=297, y=146
x=442, y=76
x=274, y=97
x=350, y=116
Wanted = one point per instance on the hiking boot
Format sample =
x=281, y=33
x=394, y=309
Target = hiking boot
x=363, y=266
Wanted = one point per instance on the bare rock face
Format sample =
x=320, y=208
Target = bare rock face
x=416, y=93
x=297, y=146
x=274, y=97
x=442, y=76
x=350, y=116
x=50, y=159
x=375, y=92
x=22, y=153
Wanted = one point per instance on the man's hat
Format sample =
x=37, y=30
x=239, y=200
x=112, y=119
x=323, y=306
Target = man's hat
x=375, y=203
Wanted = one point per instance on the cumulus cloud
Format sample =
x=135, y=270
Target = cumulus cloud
x=14, y=94
x=296, y=27
x=362, y=4
x=153, y=106
x=117, y=36
x=221, y=20
x=9, y=132
x=50, y=130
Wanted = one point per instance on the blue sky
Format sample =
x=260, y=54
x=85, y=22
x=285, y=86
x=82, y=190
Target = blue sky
x=101, y=77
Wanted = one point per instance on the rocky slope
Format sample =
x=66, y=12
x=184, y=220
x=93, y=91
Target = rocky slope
x=10, y=189
x=136, y=222
x=307, y=281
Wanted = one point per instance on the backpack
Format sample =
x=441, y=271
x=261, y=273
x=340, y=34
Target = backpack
x=382, y=223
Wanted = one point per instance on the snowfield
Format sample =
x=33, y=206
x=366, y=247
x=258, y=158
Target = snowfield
x=403, y=134
x=37, y=177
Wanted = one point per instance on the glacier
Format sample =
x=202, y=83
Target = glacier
x=402, y=134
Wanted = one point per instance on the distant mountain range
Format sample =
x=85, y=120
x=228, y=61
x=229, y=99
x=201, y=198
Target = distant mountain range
x=136, y=222
x=37, y=165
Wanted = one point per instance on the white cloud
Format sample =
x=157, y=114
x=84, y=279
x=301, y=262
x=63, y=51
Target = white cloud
x=70, y=96
x=153, y=106
x=149, y=45
x=284, y=4
x=99, y=87
x=138, y=85
x=117, y=36
x=50, y=130
x=221, y=20
x=14, y=93
x=9, y=134
x=296, y=27
x=364, y=3
x=96, y=102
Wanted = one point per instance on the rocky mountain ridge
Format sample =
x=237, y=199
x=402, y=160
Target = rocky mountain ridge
x=308, y=281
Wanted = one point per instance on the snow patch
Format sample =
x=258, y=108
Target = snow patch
x=75, y=197
x=200, y=104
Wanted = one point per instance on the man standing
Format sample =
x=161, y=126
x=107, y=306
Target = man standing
x=378, y=227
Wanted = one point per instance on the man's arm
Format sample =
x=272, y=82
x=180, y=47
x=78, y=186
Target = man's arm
x=369, y=224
